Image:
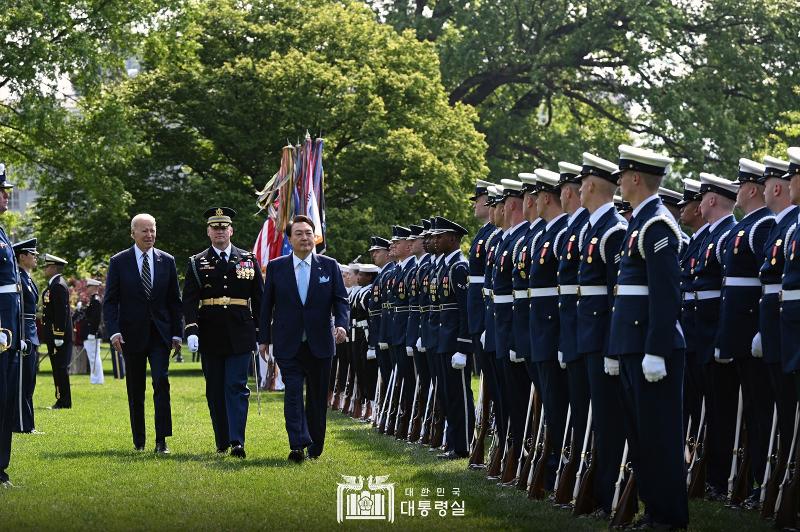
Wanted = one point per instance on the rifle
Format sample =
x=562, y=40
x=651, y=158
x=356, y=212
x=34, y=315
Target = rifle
x=376, y=400
x=585, y=503
x=586, y=451
x=525, y=447
x=356, y=411
x=402, y=413
x=496, y=452
x=736, y=449
x=623, y=467
x=770, y=493
x=437, y=427
x=394, y=402
x=510, y=468
x=567, y=465
x=772, y=459
x=628, y=503
x=482, y=413
x=696, y=475
x=424, y=434
x=532, y=442
x=536, y=485
x=414, y=424
x=786, y=503
x=387, y=399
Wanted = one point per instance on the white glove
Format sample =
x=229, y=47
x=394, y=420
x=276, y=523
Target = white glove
x=371, y=354
x=756, y=346
x=421, y=349
x=717, y=358
x=483, y=339
x=3, y=339
x=459, y=361
x=382, y=345
x=91, y=337
x=611, y=366
x=23, y=346
x=561, y=360
x=409, y=351
x=194, y=343
x=418, y=345
x=654, y=368
x=58, y=343
x=513, y=355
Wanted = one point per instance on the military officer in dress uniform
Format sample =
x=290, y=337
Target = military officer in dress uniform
x=721, y=382
x=477, y=267
x=513, y=375
x=647, y=338
x=366, y=369
x=10, y=345
x=599, y=244
x=694, y=387
x=543, y=320
x=767, y=342
x=94, y=311
x=742, y=255
x=385, y=357
x=426, y=280
x=790, y=294
x=422, y=388
x=57, y=324
x=26, y=255
x=568, y=253
x=221, y=306
x=454, y=346
x=379, y=251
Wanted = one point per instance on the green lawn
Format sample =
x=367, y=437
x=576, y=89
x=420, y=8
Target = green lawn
x=83, y=473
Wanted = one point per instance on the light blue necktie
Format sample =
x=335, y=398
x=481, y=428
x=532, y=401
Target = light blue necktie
x=302, y=281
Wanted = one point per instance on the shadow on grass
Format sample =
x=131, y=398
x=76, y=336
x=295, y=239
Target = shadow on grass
x=210, y=459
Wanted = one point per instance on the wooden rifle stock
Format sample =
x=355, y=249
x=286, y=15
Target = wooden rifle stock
x=742, y=485
x=786, y=504
x=510, y=466
x=530, y=442
x=585, y=503
x=536, y=489
x=628, y=504
x=696, y=476
x=768, y=492
x=415, y=426
x=477, y=449
x=736, y=447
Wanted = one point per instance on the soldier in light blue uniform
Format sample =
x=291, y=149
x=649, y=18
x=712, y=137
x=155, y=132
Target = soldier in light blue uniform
x=26, y=253
x=742, y=255
x=515, y=228
x=790, y=294
x=767, y=342
x=599, y=244
x=721, y=381
x=647, y=338
x=454, y=347
x=10, y=345
x=544, y=328
x=694, y=383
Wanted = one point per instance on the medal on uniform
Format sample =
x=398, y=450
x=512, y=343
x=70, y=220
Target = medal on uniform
x=478, y=249
x=376, y=290
x=413, y=288
x=708, y=251
x=446, y=286
x=630, y=241
x=691, y=264
x=569, y=247
x=793, y=244
x=503, y=260
x=521, y=266
x=544, y=252
x=589, y=252
x=775, y=249
x=739, y=236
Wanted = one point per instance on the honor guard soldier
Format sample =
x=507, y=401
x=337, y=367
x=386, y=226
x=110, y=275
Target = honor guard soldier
x=91, y=343
x=544, y=328
x=10, y=344
x=567, y=251
x=403, y=360
x=521, y=276
x=366, y=369
x=423, y=387
x=454, y=347
x=509, y=367
x=646, y=337
x=477, y=267
x=767, y=343
x=57, y=325
x=426, y=280
x=26, y=255
x=599, y=245
x=221, y=305
x=695, y=385
x=790, y=295
x=722, y=384
x=384, y=349
x=379, y=251
x=742, y=255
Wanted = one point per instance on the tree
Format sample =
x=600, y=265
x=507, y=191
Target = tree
x=223, y=85
x=704, y=81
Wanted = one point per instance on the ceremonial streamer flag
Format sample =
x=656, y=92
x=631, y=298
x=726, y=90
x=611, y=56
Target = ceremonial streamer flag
x=296, y=188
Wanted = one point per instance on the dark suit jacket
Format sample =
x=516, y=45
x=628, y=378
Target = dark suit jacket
x=127, y=310
x=284, y=317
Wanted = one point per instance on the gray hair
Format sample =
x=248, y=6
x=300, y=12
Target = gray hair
x=142, y=217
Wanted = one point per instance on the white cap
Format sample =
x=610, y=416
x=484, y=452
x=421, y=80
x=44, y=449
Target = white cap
x=93, y=282
x=672, y=197
x=368, y=268
x=593, y=161
x=568, y=168
x=527, y=178
x=650, y=162
x=719, y=185
x=774, y=162
x=691, y=185
x=750, y=170
x=547, y=177
x=794, y=162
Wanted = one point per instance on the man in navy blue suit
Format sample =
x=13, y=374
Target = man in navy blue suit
x=304, y=310
x=142, y=310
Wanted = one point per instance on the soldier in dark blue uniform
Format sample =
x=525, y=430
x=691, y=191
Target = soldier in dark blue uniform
x=426, y=280
x=221, y=305
x=568, y=254
x=10, y=345
x=26, y=254
x=383, y=334
x=544, y=327
x=721, y=383
x=514, y=378
x=420, y=360
x=599, y=244
x=454, y=346
x=694, y=384
x=790, y=294
x=767, y=342
x=379, y=251
x=57, y=328
x=647, y=338
x=742, y=255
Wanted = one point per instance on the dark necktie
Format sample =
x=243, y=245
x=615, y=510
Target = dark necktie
x=222, y=263
x=147, y=282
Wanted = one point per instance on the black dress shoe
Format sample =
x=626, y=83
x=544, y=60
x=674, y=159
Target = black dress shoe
x=451, y=455
x=223, y=450
x=310, y=456
x=138, y=448
x=238, y=451
x=297, y=455
x=57, y=406
x=161, y=447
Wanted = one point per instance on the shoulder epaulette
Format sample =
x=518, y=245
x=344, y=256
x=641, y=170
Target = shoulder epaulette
x=755, y=226
x=667, y=219
x=604, y=239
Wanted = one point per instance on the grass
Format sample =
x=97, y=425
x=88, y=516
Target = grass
x=83, y=473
